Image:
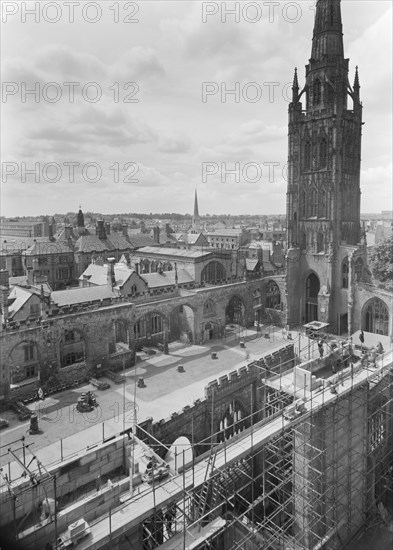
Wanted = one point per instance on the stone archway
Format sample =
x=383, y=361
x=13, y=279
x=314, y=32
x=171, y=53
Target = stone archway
x=151, y=329
x=121, y=334
x=235, y=311
x=182, y=323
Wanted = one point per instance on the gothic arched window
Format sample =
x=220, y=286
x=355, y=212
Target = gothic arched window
x=213, y=272
x=272, y=295
x=307, y=155
x=303, y=240
x=329, y=93
x=323, y=153
x=316, y=92
x=377, y=317
x=322, y=204
x=344, y=272
x=320, y=242
x=314, y=203
x=303, y=204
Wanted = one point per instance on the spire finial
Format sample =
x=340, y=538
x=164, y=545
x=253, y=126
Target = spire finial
x=356, y=82
x=295, y=88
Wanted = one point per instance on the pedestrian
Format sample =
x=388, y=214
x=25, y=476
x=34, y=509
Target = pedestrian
x=320, y=348
x=361, y=338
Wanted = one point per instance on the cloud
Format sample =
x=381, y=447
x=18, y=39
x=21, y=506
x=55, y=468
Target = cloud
x=174, y=144
x=138, y=64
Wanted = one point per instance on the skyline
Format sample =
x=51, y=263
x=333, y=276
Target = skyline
x=165, y=138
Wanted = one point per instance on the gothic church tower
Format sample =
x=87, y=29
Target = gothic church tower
x=323, y=193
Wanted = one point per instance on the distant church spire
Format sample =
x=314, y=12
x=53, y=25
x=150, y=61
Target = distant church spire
x=195, y=217
x=196, y=210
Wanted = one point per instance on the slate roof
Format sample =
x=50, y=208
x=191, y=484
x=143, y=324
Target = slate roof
x=138, y=240
x=22, y=281
x=182, y=253
x=97, y=274
x=92, y=243
x=61, y=235
x=167, y=278
x=82, y=295
x=224, y=233
x=48, y=247
x=13, y=245
x=17, y=298
x=190, y=238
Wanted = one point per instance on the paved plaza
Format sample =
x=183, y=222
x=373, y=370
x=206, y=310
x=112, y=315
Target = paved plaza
x=65, y=431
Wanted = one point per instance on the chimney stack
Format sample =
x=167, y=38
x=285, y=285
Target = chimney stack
x=124, y=230
x=67, y=231
x=111, y=280
x=136, y=268
x=100, y=230
x=4, y=293
x=156, y=234
x=108, y=228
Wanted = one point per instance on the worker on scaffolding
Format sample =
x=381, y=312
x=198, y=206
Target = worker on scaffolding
x=379, y=349
x=170, y=515
x=361, y=338
x=320, y=348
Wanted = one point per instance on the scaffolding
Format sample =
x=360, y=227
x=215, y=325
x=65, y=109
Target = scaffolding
x=311, y=481
x=315, y=485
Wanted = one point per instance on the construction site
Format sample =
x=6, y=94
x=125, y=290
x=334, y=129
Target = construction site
x=310, y=469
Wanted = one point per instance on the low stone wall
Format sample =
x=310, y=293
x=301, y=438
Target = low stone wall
x=70, y=474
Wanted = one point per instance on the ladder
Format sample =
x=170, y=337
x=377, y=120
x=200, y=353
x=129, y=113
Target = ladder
x=206, y=485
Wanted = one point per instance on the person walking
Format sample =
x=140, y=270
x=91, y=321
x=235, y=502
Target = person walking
x=361, y=338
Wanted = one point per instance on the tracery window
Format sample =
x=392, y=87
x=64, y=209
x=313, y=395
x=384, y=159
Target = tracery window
x=272, y=295
x=316, y=92
x=323, y=153
x=345, y=272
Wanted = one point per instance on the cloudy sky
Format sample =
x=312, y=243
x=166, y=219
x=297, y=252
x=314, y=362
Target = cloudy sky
x=119, y=121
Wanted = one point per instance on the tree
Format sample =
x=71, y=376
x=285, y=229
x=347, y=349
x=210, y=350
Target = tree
x=381, y=263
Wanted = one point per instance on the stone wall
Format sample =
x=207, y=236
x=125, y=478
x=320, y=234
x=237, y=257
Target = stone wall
x=239, y=386
x=97, y=329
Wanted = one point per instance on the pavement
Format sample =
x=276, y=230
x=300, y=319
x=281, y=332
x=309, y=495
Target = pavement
x=64, y=432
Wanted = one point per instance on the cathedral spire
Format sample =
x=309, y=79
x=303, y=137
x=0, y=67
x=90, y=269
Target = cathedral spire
x=328, y=32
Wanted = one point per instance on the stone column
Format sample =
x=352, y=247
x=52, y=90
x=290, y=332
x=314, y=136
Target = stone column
x=166, y=336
